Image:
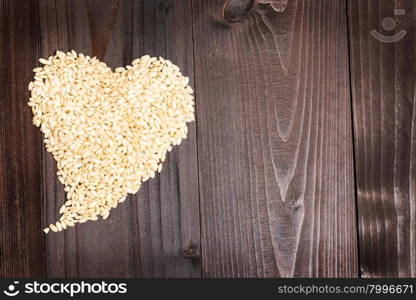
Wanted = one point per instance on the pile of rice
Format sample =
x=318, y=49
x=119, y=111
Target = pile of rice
x=108, y=131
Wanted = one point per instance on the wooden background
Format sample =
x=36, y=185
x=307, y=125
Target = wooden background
x=302, y=161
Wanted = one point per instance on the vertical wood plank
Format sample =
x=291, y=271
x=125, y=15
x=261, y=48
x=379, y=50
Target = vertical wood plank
x=383, y=82
x=156, y=232
x=275, y=140
x=21, y=240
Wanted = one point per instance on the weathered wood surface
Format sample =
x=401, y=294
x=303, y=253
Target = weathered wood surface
x=275, y=140
x=21, y=242
x=150, y=234
x=383, y=82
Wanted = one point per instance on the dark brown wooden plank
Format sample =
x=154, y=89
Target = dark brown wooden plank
x=383, y=82
x=21, y=240
x=275, y=140
x=152, y=232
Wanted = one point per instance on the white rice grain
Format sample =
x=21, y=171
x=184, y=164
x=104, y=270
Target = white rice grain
x=108, y=131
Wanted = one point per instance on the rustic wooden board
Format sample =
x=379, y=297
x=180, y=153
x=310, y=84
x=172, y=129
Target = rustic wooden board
x=273, y=175
x=383, y=82
x=156, y=232
x=275, y=141
x=21, y=243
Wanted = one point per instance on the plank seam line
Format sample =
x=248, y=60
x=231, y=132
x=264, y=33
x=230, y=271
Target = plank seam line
x=354, y=161
x=196, y=142
x=40, y=156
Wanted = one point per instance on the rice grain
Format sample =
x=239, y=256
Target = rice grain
x=108, y=131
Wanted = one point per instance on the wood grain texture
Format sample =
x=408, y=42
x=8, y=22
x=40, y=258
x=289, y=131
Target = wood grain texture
x=383, y=82
x=269, y=163
x=156, y=232
x=275, y=141
x=21, y=242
